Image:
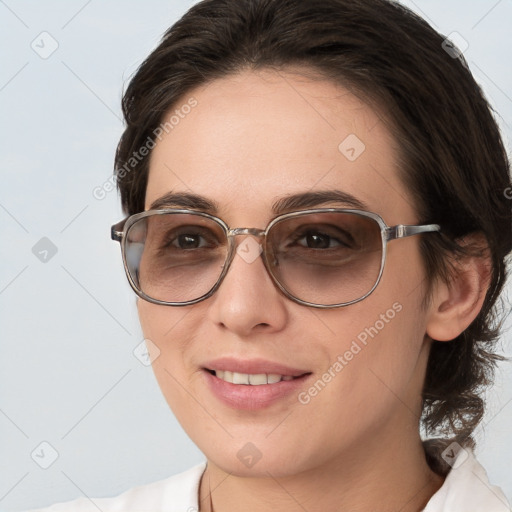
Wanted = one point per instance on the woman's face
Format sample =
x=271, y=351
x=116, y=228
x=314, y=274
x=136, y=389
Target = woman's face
x=251, y=140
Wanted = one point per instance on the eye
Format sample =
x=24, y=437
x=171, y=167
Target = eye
x=321, y=237
x=318, y=240
x=188, y=241
x=190, y=237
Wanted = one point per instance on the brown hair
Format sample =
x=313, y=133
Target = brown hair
x=452, y=157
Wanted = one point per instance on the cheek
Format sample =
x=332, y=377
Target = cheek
x=399, y=317
x=378, y=351
x=374, y=375
x=172, y=333
x=166, y=340
x=161, y=324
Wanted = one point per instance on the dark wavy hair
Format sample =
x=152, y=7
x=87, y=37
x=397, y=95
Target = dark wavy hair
x=451, y=156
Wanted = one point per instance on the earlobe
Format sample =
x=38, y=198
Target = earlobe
x=457, y=303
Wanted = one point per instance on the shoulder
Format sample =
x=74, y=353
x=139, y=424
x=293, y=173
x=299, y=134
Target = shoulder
x=178, y=493
x=467, y=487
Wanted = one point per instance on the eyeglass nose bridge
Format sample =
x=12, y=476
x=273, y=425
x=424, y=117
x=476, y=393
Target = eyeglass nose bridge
x=231, y=233
x=246, y=231
x=259, y=233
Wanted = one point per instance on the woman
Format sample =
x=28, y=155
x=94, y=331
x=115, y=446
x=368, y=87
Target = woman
x=317, y=230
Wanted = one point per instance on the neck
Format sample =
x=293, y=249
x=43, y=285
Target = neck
x=384, y=477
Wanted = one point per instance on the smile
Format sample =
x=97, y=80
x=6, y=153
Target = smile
x=250, y=379
x=255, y=391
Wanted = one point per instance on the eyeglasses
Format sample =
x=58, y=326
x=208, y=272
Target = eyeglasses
x=324, y=258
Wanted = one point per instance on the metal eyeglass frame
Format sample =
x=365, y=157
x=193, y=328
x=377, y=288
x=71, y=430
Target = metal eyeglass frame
x=388, y=233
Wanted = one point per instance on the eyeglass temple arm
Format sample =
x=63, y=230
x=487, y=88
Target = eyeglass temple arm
x=116, y=231
x=403, y=231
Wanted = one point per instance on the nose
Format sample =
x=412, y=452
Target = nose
x=247, y=300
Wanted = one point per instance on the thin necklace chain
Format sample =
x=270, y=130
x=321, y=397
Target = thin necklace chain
x=210, y=503
x=210, y=492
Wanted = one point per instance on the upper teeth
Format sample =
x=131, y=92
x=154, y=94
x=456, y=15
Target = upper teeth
x=251, y=379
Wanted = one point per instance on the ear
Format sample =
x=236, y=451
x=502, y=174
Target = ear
x=456, y=304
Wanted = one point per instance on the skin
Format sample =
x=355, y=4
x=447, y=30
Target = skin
x=255, y=137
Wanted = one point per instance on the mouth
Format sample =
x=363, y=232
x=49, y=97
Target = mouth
x=253, y=385
x=252, y=379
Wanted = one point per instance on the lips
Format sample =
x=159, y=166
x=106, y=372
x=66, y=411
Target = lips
x=254, y=367
x=252, y=384
x=250, y=379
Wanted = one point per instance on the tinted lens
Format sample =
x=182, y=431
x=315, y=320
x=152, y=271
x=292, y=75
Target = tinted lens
x=175, y=257
x=322, y=258
x=326, y=258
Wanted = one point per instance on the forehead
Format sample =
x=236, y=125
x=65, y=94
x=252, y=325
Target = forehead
x=256, y=136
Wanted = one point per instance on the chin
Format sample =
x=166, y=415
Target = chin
x=258, y=458
x=271, y=464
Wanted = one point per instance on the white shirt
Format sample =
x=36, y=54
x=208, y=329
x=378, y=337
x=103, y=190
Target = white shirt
x=465, y=489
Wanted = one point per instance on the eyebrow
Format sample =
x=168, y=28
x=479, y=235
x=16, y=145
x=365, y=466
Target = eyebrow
x=285, y=204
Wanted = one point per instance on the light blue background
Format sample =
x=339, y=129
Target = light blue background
x=68, y=374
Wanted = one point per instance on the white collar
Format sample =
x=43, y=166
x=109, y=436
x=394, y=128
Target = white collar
x=467, y=489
